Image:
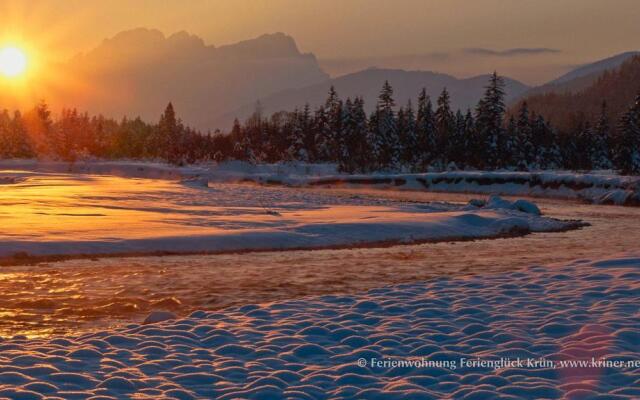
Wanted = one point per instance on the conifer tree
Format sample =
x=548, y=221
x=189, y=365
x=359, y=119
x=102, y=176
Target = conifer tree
x=489, y=119
x=445, y=124
x=425, y=133
x=169, y=136
x=384, y=130
x=359, y=145
x=524, y=153
x=408, y=137
x=19, y=138
x=457, y=144
x=627, y=156
x=601, y=152
x=333, y=135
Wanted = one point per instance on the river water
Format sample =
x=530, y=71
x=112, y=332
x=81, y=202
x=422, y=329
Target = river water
x=75, y=296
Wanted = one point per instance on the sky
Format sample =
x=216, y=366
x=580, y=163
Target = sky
x=345, y=34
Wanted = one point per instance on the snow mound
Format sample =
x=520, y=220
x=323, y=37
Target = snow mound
x=497, y=202
x=418, y=341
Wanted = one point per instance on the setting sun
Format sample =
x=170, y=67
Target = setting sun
x=13, y=62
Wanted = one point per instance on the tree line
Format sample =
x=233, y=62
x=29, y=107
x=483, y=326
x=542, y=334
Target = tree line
x=425, y=137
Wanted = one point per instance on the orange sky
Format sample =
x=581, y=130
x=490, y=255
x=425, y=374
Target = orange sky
x=583, y=30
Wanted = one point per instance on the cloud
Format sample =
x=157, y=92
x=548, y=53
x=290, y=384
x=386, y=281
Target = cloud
x=511, y=52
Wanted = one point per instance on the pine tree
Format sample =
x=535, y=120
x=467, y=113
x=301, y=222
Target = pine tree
x=425, y=133
x=301, y=124
x=546, y=144
x=511, y=144
x=627, y=156
x=457, y=145
x=355, y=143
x=19, y=138
x=169, y=136
x=585, y=147
x=470, y=137
x=489, y=119
x=601, y=152
x=408, y=137
x=333, y=135
x=445, y=124
x=6, y=147
x=524, y=155
x=322, y=134
x=242, y=149
x=384, y=131
x=358, y=144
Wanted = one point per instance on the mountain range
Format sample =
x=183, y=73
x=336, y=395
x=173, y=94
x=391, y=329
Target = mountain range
x=566, y=109
x=137, y=72
x=465, y=93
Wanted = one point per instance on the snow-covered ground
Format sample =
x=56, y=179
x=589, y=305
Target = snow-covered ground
x=439, y=339
x=599, y=187
x=55, y=213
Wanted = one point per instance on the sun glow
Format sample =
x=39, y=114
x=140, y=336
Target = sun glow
x=13, y=62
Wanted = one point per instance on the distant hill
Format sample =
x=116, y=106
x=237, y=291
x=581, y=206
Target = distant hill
x=465, y=93
x=583, y=76
x=618, y=87
x=138, y=71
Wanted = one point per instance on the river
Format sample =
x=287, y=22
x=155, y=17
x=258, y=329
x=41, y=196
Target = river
x=75, y=296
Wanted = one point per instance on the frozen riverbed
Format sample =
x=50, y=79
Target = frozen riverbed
x=52, y=214
x=563, y=331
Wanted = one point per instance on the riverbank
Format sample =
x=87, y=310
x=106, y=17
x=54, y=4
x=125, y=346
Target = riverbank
x=596, y=187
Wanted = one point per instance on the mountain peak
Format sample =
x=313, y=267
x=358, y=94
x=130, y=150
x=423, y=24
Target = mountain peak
x=136, y=35
x=270, y=45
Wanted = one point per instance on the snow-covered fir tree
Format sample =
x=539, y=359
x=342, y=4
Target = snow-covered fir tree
x=425, y=133
x=457, y=146
x=627, y=153
x=445, y=124
x=408, y=136
x=356, y=157
x=489, y=118
x=601, y=152
x=385, y=141
x=523, y=156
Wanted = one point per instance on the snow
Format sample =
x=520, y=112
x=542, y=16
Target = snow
x=599, y=187
x=456, y=331
x=56, y=213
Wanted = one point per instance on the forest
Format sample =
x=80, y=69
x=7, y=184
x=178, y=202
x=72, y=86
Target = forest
x=427, y=136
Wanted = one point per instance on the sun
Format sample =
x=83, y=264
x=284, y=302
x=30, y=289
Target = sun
x=13, y=62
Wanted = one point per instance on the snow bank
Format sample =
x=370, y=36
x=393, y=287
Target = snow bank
x=444, y=338
x=49, y=214
x=599, y=188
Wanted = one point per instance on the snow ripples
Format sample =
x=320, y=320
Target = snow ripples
x=309, y=348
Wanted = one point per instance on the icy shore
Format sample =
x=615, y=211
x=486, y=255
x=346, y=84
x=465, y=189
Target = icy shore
x=459, y=338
